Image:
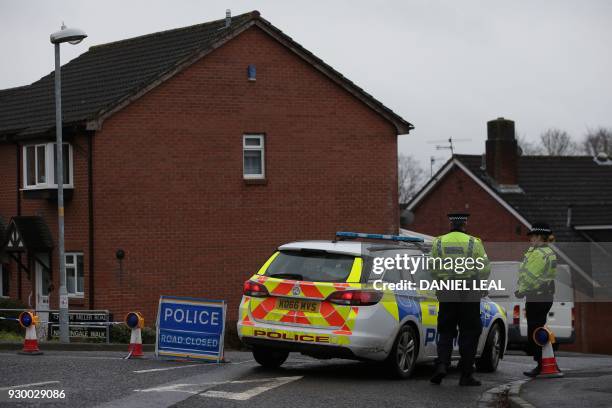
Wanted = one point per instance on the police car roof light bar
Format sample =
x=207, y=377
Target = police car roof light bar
x=397, y=238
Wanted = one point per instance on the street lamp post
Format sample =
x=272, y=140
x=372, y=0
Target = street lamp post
x=73, y=36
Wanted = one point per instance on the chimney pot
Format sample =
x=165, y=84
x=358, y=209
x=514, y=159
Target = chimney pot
x=228, y=17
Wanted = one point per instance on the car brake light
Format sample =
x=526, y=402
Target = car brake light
x=254, y=289
x=355, y=297
x=516, y=315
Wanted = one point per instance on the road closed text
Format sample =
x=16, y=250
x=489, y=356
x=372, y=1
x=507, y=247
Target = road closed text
x=207, y=342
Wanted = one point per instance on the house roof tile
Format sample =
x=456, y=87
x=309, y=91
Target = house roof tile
x=107, y=74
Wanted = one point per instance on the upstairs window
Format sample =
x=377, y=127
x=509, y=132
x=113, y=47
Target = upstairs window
x=253, y=152
x=39, y=170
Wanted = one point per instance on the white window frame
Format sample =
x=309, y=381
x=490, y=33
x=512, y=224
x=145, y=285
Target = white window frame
x=75, y=265
x=49, y=166
x=2, y=295
x=261, y=148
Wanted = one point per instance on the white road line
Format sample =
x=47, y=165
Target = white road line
x=152, y=370
x=28, y=385
x=250, y=393
x=197, y=388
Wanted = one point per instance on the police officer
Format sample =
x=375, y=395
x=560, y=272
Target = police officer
x=458, y=308
x=536, y=282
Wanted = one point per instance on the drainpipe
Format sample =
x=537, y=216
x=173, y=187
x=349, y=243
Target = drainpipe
x=18, y=195
x=90, y=218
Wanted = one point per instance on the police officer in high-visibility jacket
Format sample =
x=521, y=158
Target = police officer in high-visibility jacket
x=536, y=282
x=459, y=308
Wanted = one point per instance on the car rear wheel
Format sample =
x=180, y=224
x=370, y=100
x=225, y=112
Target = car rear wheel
x=403, y=356
x=269, y=358
x=492, y=351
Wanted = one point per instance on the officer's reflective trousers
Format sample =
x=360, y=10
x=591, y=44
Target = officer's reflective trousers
x=537, y=312
x=466, y=317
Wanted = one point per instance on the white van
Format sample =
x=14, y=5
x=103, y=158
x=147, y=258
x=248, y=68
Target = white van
x=561, y=315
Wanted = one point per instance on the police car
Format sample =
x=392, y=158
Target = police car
x=319, y=298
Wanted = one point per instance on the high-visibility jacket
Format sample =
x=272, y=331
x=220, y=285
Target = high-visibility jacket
x=457, y=244
x=538, y=270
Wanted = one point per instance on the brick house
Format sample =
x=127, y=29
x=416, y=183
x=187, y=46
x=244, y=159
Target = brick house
x=505, y=192
x=195, y=151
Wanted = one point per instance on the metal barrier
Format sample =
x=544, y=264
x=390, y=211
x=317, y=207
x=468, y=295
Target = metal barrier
x=54, y=319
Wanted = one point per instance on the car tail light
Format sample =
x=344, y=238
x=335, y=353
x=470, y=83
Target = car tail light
x=355, y=297
x=516, y=315
x=573, y=317
x=254, y=289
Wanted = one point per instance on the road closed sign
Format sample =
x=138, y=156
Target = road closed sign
x=190, y=328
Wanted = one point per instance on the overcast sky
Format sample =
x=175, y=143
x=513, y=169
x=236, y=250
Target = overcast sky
x=445, y=66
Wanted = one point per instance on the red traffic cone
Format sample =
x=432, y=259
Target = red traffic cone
x=135, y=347
x=135, y=321
x=30, y=345
x=545, y=339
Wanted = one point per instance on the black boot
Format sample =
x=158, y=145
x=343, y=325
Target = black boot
x=467, y=380
x=534, y=372
x=439, y=374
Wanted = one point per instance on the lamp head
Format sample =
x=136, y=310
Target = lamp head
x=71, y=35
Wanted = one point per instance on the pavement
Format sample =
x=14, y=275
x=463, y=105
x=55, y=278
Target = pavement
x=582, y=387
x=105, y=379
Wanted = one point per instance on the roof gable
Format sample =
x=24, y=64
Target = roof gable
x=109, y=76
x=28, y=233
x=556, y=189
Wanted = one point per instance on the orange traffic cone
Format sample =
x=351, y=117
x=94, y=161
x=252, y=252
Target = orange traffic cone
x=545, y=339
x=30, y=345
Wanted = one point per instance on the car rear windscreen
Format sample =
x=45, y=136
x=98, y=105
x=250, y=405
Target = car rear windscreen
x=313, y=266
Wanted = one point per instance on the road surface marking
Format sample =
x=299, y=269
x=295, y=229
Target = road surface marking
x=200, y=386
x=28, y=385
x=193, y=388
x=250, y=393
x=152, y=370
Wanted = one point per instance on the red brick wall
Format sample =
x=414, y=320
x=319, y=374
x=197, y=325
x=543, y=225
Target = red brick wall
x=498, y=230
x=457, y=191
x=8, y=200
x=76, y=220
x=168, y=175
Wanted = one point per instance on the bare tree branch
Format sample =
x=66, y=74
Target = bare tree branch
x=528, y=148
x=410, y=177
x=556, y=142
x=598, y=141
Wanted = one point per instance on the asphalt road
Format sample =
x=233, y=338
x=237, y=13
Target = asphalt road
x=104, y=379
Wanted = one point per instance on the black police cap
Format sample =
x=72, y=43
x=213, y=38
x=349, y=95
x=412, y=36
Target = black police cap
x=540, y=228
x=454, y=217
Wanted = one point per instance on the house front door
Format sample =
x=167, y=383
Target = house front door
x=43, y=281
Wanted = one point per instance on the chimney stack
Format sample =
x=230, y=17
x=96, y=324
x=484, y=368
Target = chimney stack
x=502, y=152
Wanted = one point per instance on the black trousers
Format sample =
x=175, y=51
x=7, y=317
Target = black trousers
x=536, y=312
x=466, y=317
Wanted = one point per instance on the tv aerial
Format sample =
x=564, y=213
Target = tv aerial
x=449, y=144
